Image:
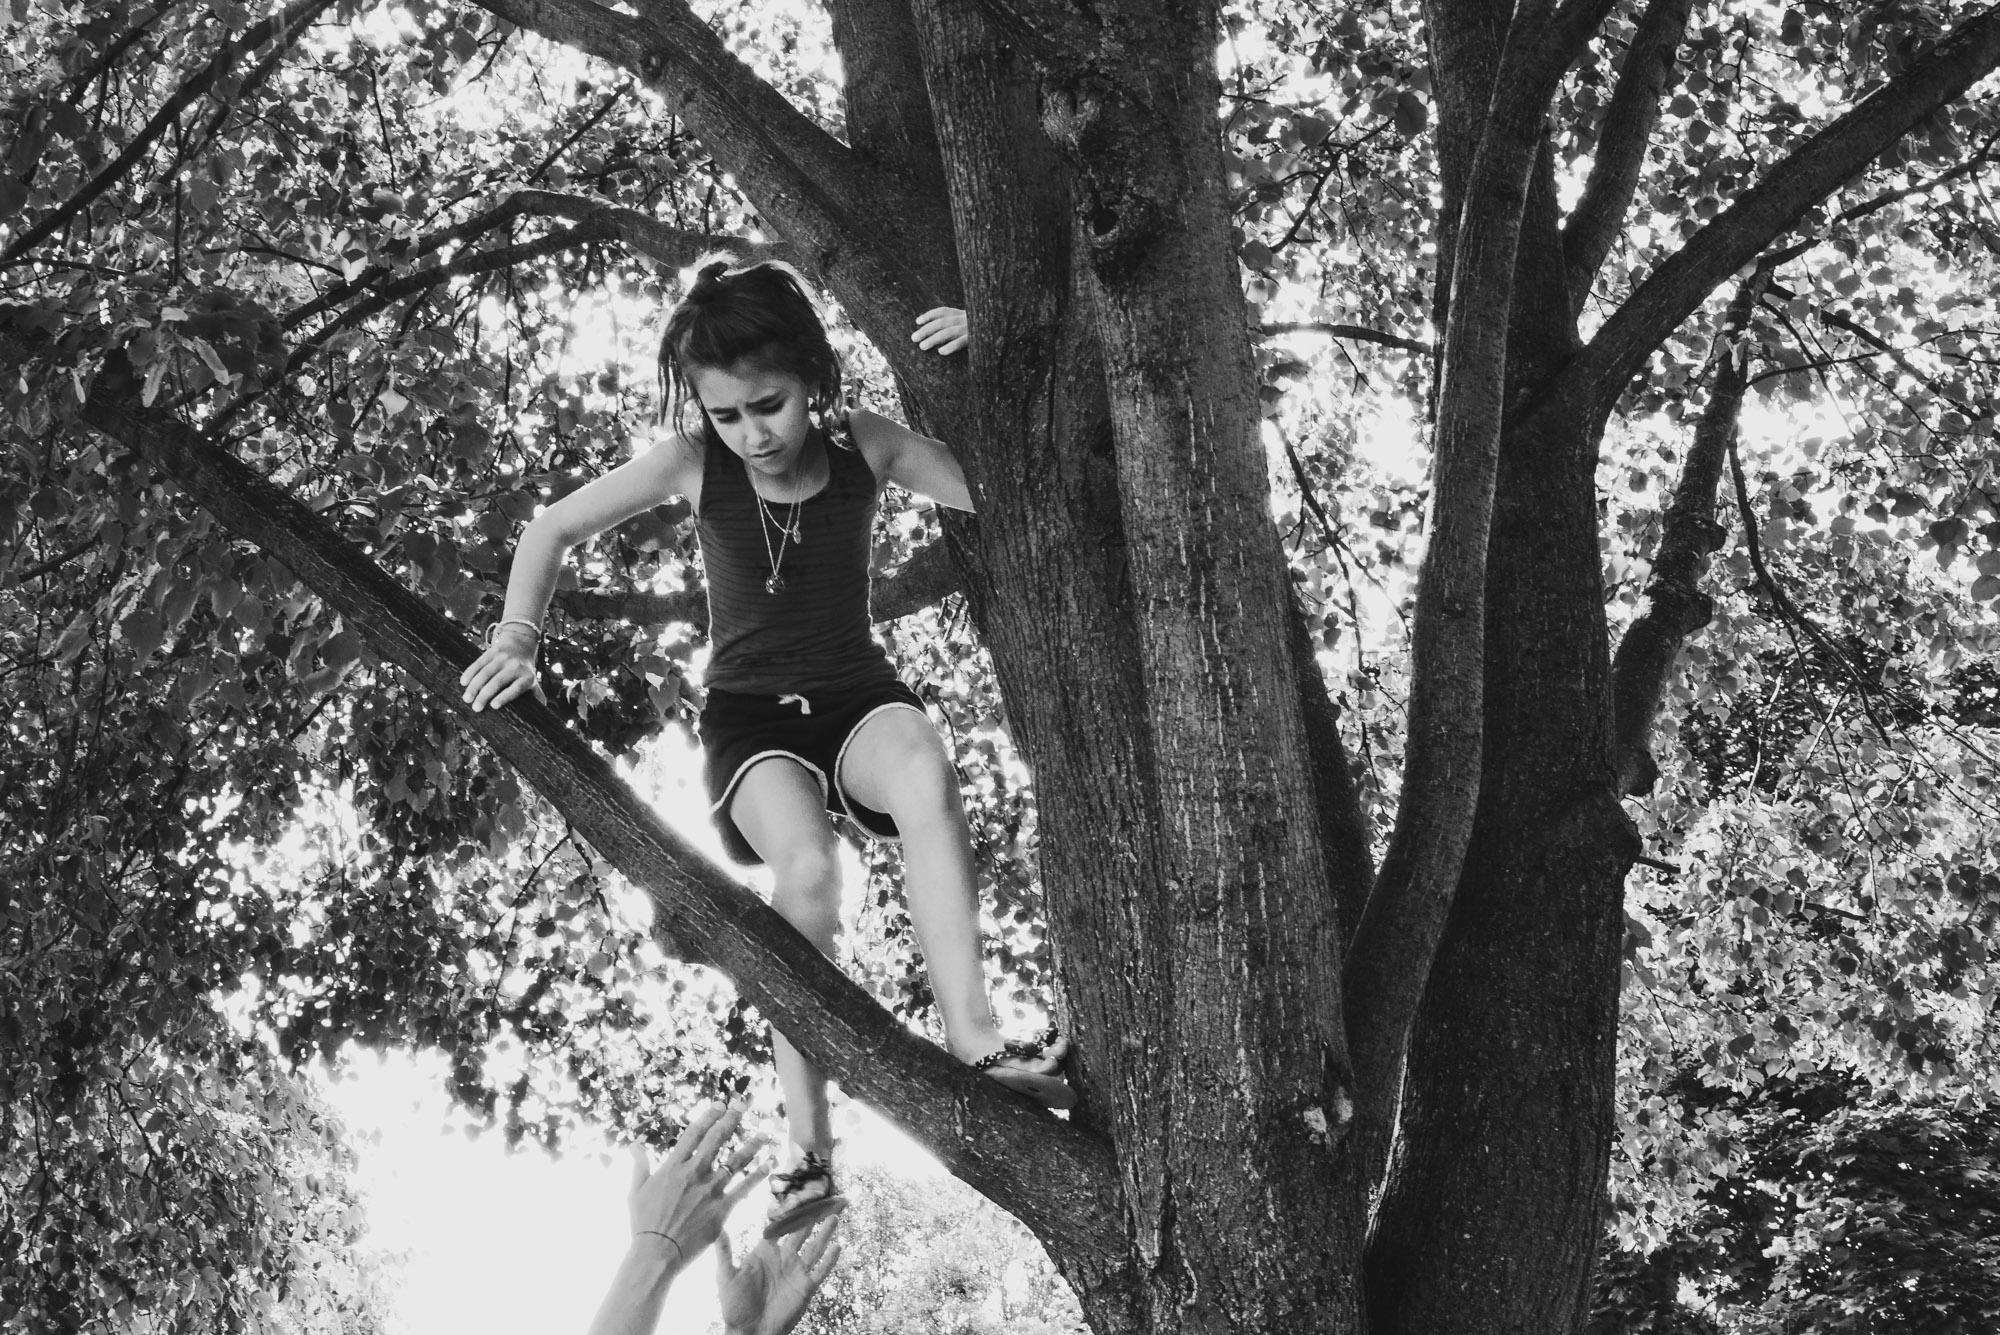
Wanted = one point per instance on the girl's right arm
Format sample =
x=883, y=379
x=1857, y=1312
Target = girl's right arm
x=507, y=668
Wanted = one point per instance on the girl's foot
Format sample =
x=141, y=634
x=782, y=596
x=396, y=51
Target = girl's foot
x=1033, y=1068
x=804, y=1196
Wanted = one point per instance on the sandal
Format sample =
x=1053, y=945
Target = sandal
x=794, y=1209
x=1051, y=1091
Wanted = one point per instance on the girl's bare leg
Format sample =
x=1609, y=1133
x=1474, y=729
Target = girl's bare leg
x=896, y=763
x=777, y=806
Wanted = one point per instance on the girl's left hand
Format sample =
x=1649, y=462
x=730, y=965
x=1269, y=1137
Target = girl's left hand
x=943, y=325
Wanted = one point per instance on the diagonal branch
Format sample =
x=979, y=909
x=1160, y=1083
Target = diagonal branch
x=476, y=226
x=1676, y=607
x=1826, y=161
x=1058, y=1179
x=672, y=247
x=464, y=266
x=1629, y=120
x=283, y=27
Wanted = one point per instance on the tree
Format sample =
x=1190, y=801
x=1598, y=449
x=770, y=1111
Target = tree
x=1319, y=1093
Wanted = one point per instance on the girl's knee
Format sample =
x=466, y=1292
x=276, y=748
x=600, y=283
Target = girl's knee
x=806, y=890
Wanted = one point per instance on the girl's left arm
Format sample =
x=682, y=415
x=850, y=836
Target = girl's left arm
x=916, y=463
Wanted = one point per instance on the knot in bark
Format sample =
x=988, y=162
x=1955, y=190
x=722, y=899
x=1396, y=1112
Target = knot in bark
x=1069, y=113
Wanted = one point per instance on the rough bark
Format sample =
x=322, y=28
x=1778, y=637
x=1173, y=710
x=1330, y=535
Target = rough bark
x=889, y=121
x=1045, y=582
x=1263, y=1231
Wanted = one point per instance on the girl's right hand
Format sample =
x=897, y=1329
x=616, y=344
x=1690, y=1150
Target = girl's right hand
x=505, y=670
x=943, y=328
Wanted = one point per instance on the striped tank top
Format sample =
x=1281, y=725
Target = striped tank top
x=816, y=633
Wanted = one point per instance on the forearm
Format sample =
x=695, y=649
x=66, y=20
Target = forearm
x=538, y=559
x=632, y=1307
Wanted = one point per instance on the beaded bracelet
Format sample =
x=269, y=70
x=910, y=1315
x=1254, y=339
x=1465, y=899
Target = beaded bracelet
x=513, y=621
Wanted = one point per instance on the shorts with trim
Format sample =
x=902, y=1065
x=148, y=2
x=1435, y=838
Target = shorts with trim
x=738, y=730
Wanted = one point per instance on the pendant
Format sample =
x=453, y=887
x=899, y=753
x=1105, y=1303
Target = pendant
x=775, y=584
x=798, y=532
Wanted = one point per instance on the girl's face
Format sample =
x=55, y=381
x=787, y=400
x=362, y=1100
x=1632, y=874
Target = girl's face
x=762, y=416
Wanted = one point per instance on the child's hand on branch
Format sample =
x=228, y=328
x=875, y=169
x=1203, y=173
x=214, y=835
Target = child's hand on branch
x=505, y=670
x=944, y=325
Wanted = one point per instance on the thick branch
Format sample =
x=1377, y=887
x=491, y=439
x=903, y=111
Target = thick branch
x=284, y=26
x=1820, y=166
x=1621, y=145
x=1058, y=1179
x=1676, y=607
x=1392, y=950
x=924, y=579
x=889, y=120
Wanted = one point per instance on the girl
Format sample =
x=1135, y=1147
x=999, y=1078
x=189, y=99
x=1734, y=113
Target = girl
x=804, y=715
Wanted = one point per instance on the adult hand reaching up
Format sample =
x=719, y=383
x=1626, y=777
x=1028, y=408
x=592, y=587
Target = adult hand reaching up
x=676, y=1210
x=769, y=1292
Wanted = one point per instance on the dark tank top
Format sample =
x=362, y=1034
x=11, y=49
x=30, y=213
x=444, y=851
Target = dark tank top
x=816, y=634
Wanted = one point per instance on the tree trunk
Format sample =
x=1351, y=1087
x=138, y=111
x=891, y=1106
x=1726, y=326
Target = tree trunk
x=1178, y=830
x=1491, y=1215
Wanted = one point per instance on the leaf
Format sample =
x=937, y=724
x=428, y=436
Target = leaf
x=211, y=359
x=143, y=632
x=1412, y=114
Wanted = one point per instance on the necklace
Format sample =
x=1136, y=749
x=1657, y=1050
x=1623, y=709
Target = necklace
x=788, y=532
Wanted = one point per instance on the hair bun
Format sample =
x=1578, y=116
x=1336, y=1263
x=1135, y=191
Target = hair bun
x=709, y=276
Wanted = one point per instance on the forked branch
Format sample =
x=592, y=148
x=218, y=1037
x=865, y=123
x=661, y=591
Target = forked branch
x=1390, y=957
x=283, y=27
x=1825, y=162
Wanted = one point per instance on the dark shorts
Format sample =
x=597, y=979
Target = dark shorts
x=739, y=730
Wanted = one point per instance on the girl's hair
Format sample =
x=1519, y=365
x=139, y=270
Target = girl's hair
x=760, y=313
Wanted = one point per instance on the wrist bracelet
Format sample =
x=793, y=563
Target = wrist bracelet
x=679, y=1255
x=513, y=621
